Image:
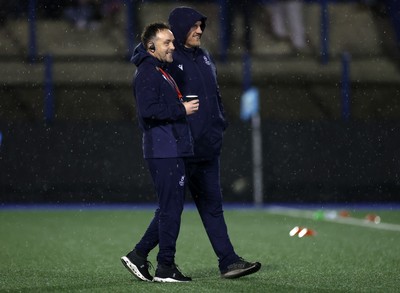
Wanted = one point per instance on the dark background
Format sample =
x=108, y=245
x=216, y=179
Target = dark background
x=102, y=162
x=91, y=150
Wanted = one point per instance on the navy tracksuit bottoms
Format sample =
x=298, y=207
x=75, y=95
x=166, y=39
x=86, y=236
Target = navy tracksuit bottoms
x=204, y=184
x=169, y=180
x=203, y=177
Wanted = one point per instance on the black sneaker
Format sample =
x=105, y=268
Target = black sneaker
x=240, y=268
x=137, y=265
x=170, y=274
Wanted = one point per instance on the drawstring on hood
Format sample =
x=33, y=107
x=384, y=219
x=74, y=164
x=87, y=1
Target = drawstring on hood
x=181, y=19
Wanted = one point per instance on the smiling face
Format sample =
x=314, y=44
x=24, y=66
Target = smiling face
x=164, y=46
x=193, y=38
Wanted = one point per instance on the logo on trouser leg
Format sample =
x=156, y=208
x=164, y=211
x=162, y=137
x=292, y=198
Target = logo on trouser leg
x=182, y=181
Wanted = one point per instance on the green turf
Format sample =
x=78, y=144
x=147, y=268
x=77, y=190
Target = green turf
x=80, y=250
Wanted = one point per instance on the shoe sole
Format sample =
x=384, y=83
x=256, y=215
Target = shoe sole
x=133, y=269
x=241, y=273
x=168, y=280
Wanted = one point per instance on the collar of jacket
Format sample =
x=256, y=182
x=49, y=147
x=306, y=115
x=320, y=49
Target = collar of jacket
x=193, y=51
x=158, y=63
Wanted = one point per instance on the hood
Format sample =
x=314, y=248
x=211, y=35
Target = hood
x=139, y=54
x=181, y=19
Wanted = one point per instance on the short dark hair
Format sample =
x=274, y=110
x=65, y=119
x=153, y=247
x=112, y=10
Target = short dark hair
x=151, y=30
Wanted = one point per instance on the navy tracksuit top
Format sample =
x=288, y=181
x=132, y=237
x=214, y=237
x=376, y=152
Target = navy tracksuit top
x=195, y=73
x=161, y=115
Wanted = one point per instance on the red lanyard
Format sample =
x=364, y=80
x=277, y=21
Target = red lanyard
x=171, y=81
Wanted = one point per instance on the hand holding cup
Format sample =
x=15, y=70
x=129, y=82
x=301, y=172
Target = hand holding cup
x=191, y=103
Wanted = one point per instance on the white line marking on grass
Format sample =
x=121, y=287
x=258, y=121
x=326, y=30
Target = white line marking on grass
x=341, y=220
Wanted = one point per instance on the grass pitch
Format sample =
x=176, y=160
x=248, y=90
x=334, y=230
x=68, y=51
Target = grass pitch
x=72, y=250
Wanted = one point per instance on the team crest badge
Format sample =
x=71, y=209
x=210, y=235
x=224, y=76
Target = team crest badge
x=206, y=60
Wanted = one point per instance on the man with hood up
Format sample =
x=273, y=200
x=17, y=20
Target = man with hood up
x=195, y=74
x=167, y=140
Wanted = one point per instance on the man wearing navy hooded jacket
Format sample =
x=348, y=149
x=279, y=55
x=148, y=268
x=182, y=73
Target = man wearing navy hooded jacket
x=195, y=74
x=167, y=140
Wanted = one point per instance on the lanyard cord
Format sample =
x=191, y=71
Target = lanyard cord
x=171, y=81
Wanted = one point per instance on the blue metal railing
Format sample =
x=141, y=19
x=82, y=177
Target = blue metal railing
x=224, y=27
x=247, y=77
x=324, y=52
x=32, y=51
x=345, y=86
x=130, y=27
x=48, y=89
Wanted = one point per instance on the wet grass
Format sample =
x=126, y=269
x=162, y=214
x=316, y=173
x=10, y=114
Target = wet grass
x=80, y=250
